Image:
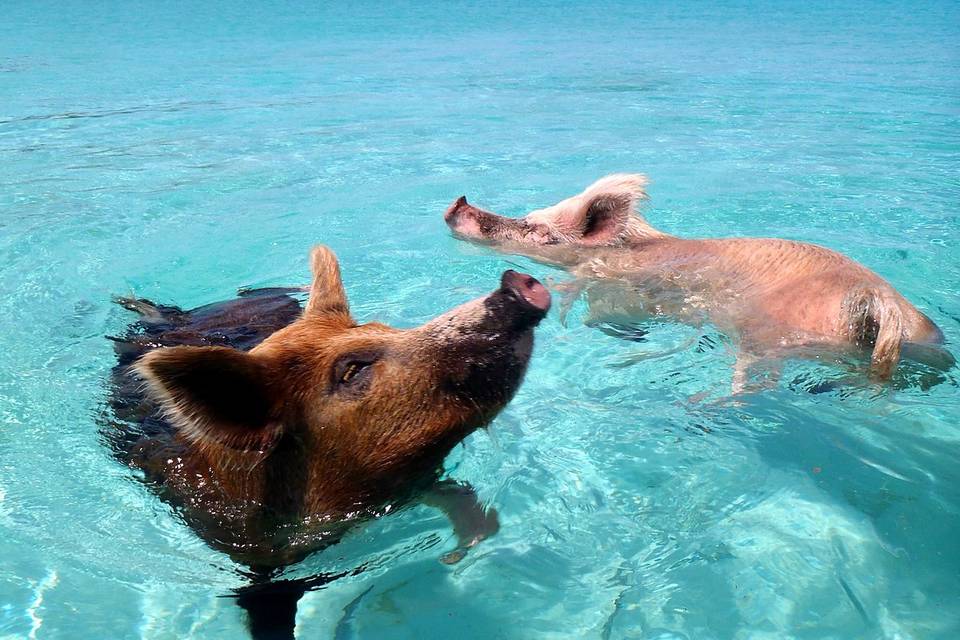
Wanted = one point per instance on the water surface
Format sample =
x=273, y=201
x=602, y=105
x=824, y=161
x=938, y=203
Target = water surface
x=179, y=152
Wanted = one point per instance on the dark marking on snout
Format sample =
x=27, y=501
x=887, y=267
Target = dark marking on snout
x=489, y=362
x=519, y=304
x=489, y=225
x=484, y=227
x=527, y=288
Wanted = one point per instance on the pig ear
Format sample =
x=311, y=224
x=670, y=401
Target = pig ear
x=326, y=293
x=601, y=213
x=605, y=218
x=213, y=395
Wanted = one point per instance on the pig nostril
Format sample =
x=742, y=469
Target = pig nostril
x=526, y=288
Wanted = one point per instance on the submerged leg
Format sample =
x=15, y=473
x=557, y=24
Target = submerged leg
x=271, y=605
x=569, y=293
x=634, y=332
x=253, y=292
x=149, y=311
x=741, y=372
x=472, y=522
x=272, y=609
x=934, y=356
x=745, y=369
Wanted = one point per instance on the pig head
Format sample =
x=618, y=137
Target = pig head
x=324, y=418
x=604, y=215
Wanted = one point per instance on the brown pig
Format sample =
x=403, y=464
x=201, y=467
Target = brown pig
x=771, y=295
x=279, y=428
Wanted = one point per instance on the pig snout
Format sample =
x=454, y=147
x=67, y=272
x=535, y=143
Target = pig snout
x=488, y=341
x=526, y=288
x=519, y=304
x=452, y=214
x=464, y=218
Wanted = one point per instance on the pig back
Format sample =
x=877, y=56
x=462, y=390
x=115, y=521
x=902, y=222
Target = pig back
x=132, y=423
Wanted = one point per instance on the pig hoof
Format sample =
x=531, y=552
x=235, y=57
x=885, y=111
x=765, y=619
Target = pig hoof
x=454, y=556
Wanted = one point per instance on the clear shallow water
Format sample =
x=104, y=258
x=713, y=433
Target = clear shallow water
x=180, y=153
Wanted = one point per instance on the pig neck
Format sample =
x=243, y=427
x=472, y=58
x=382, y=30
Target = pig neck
x=640, y=254
x=300, y=476
x=282, y=484
x=373, y=471
x=261, y=483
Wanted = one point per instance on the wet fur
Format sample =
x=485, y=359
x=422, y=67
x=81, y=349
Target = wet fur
x=237, y=415
x=768, y=293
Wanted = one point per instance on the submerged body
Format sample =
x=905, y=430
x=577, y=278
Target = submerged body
x=273, y=429
x=768, y=294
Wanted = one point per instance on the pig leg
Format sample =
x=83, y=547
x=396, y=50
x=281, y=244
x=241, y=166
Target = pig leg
x=569, y=293
x=250, y=292
x=272, y=609
x=471, y=521
x=621, y=311
x=748, y=364
x=271, y=605
x=633, y=332
x=605, y=301
x=741, y=372
x=150, y=312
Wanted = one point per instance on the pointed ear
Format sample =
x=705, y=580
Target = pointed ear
x=213, y=395
x=601, y=213
x=326, y=293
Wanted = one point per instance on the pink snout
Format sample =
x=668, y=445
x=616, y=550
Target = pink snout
x=527, y=288
x=464, y=218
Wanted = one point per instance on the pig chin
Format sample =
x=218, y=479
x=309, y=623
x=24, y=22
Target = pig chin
x=503, y=233
x=523, y=346
x=491, y=345
x=470, y=223
x=486, y=381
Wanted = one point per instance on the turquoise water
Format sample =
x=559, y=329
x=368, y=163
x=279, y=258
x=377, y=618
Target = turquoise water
x=180, y=152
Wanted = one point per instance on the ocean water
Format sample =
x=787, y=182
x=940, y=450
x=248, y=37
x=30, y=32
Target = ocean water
x=180, y=150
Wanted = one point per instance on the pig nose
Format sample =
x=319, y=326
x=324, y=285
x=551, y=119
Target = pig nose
x=526, y=288
x=453, y=211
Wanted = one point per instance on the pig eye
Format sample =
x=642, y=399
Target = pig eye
x=353, y=371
